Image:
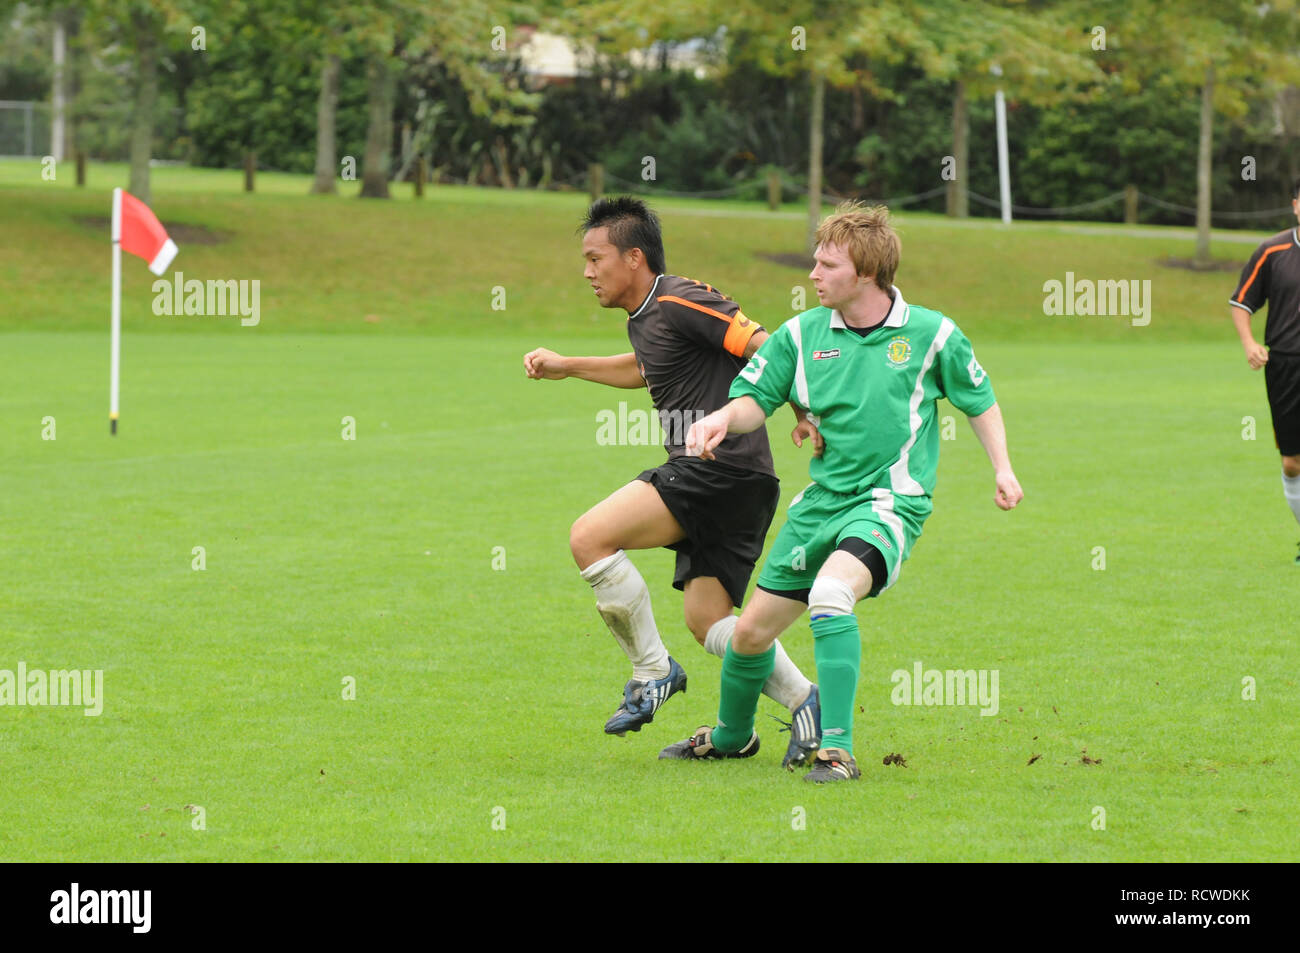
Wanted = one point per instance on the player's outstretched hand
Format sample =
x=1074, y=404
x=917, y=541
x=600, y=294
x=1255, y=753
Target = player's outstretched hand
x=1256, y=355
x=1008, y=493
x=705, y=434
x=541, y=363
x=807, y=430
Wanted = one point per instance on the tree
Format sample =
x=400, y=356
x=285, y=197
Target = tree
x=139, y=30
x=145, y=26
x=326, y=114
x=847, y=44
x=379, y=135
x=830, y=43
x=328, y=21
x=1217, y=48
x=461, y=38
x=1037, y=56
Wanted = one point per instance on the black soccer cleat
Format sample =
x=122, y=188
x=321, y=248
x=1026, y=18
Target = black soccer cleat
x=805, y=727
x=1297, y=555
x=642, y=699
x=833, y=764
x=700, y=745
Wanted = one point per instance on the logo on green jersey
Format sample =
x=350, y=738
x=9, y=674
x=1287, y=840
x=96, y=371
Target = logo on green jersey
x=899, y=351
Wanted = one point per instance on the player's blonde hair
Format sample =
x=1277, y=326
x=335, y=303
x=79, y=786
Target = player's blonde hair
x=866, y=232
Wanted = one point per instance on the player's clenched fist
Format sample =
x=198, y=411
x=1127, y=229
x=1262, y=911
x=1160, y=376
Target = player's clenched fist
x=541, y=363
x=705, y=434
x=1008, y=492
x=1256, y=355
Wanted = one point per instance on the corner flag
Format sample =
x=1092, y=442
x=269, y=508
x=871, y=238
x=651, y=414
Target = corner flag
x=138, y=230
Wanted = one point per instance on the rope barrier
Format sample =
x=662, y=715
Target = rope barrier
x=578, y=181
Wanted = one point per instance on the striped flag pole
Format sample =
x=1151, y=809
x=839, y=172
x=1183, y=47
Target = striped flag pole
x=115, y=347
x=138, y=230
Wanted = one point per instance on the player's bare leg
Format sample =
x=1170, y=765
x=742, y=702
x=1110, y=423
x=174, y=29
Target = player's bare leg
x=633, y=517
x=765, y=617
x=746, y=667
x=1291, y=487
x=705, y=602
x=710, y=619
x=842, y=581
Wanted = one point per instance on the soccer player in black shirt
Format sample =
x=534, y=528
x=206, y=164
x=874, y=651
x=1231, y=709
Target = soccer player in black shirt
x=688, y=342
x=1273, y=275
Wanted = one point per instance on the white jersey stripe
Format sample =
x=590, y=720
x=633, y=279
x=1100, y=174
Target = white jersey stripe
x=883, y=506
x=900, y=478
x=800, y=374
x=800, y=377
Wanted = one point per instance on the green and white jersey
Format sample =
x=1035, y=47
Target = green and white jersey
x=873, y=396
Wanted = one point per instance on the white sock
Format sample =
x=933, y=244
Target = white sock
x=624, y=603
x=1291, y=490
x=786, y=685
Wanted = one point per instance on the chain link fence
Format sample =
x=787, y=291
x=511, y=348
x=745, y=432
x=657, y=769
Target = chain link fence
x=24, y=128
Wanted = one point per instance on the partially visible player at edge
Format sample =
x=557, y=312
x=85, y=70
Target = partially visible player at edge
x=868, y=367
x=688, y=343
x=1273, y=275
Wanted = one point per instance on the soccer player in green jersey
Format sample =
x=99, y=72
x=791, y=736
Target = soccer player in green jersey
x=868, y=368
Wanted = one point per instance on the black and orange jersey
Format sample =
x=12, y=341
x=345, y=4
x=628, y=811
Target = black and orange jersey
x=1273, y=275
x=690, y=341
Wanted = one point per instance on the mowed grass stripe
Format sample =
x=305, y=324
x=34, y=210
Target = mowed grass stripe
x=342, y=264
x=480, y=689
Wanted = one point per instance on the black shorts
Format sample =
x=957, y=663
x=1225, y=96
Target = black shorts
x=725, y=512
x=1282, y=379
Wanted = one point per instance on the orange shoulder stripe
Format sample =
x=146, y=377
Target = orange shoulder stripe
x=1251, y=280
x=691, y=304
x=738, y=334
x=701, y=284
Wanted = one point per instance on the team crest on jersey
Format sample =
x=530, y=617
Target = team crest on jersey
x=899, y=351
x=826, y=355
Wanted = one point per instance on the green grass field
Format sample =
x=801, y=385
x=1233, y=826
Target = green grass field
x=427, y=559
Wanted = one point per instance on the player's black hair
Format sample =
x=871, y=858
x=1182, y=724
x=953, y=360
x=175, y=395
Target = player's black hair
x=631, y=225
x=1295, y=189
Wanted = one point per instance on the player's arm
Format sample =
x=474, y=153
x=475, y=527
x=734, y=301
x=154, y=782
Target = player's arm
x=759, y=389
x=1256, y=353
x=804, y=429
x=964, y=382
x=992, y=434
x=1251, y=293
x=619, y=370
x=740, y=415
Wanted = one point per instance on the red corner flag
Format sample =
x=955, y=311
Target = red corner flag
x=138, y=230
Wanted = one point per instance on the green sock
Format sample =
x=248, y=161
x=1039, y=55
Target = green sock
x=837, y=648
x=742, y=682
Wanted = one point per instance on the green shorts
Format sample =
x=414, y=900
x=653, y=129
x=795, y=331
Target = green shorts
x=818, y=520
